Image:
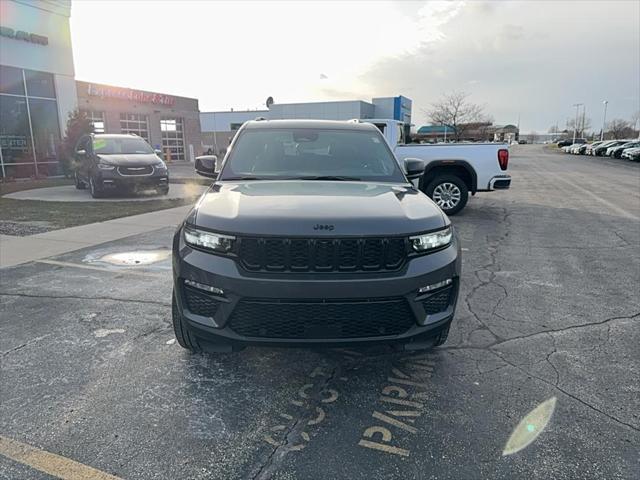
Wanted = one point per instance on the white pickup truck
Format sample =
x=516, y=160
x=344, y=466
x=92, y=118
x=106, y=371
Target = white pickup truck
x=452, y=170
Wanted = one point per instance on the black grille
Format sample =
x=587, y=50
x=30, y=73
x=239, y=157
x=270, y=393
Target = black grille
x=438, y=302
x=141, y=170
x=326, y=320
x=322, y=255
x=199, y=302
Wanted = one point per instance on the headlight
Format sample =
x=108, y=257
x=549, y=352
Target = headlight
x=160, y=166
x=105, y=166
x=208, y=240
x=431, y=241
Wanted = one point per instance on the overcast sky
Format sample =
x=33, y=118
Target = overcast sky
x=529, y=59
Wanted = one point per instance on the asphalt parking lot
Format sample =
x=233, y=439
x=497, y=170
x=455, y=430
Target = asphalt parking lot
x=91, y=377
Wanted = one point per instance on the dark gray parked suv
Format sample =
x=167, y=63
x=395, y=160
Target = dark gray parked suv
x=312, y=234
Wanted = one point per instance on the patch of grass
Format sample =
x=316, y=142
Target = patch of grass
x=70, y=214
x=18, y=186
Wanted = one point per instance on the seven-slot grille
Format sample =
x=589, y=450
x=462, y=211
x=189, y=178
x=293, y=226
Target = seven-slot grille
x=322, y=254
x=140, y=170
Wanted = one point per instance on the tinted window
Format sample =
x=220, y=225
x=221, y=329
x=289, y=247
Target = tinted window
x=39, y=84
x=123, y=145
x=46, y=132
x=15, y=140
x=294, y=153
x=11, y=80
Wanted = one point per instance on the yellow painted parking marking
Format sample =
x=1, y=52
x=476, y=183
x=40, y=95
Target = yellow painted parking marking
x=101, y=269
x=50, y=463
x=385, y=448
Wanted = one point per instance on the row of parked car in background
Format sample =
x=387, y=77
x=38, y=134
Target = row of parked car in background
x=627, y=149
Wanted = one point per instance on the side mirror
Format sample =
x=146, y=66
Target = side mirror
x=414, y=167
x=158, y=152
x=206, y=166
x=81, y=153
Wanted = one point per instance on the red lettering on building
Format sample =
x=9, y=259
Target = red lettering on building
x=128, y=94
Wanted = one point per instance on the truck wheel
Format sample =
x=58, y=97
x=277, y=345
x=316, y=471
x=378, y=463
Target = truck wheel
x=184, y=337
x=449, y=192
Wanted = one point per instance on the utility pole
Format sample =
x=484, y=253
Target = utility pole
x=575, y=125
x=604, y=118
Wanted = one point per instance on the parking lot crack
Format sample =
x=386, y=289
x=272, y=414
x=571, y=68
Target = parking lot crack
x=565, y=392
x=25, y=344
x=78, y=297
x=294, y=432
x=565, y=329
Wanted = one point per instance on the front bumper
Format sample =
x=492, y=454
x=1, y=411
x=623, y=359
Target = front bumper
x=317, y=294
x=112, y=180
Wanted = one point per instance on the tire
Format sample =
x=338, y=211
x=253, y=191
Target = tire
x=442, y=336
x=80, y=185
x=183, y=335
x=93, y=189
x=449, y=192
x=163, y=190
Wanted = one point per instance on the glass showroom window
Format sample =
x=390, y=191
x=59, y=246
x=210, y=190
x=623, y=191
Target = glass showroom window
x=97, y=120
x=172, y=138
x=134, y=123
x=29, y=125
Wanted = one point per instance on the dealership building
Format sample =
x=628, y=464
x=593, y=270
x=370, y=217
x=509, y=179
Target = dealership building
x=218, y=128
x=169, y=123
x=37, y=86
x=38, y=90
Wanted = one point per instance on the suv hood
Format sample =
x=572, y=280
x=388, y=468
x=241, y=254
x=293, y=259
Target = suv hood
x=312, y=208
x=129, y=160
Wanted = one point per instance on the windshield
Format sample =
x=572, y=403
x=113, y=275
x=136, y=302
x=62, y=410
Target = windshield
x=297, y=153
x=120, y=145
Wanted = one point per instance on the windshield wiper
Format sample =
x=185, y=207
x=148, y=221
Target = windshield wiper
x=245, y=177
x=337, y=178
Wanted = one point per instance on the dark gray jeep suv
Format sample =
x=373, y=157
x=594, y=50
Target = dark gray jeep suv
x=312, y=234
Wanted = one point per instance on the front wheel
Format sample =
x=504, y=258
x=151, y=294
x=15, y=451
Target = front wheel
x=80, y=185
x=93, y=188
x=183, y=335
x=449, y=192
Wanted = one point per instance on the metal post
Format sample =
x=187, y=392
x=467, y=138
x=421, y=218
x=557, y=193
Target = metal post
x=33, y=142
x=215, y=142
x=604, y=118
x=575, y=125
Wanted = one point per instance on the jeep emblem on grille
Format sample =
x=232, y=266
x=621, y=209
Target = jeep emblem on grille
x=319, y=226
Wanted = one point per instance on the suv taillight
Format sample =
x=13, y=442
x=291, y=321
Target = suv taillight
x=503, y=158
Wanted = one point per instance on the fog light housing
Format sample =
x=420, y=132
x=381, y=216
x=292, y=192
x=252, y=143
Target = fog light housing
x=202, y=286
x=435, y=286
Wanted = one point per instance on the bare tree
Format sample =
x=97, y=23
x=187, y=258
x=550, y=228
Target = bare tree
x=584, y=125
x=619, y=128
x=456, y=111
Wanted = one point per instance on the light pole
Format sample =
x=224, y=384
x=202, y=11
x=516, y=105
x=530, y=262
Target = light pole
x=575, y=125
x=604, y=118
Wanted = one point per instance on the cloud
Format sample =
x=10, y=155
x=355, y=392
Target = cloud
x=522, y=61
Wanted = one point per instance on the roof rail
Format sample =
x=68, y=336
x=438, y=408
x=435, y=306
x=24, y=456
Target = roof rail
x=260, y=119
